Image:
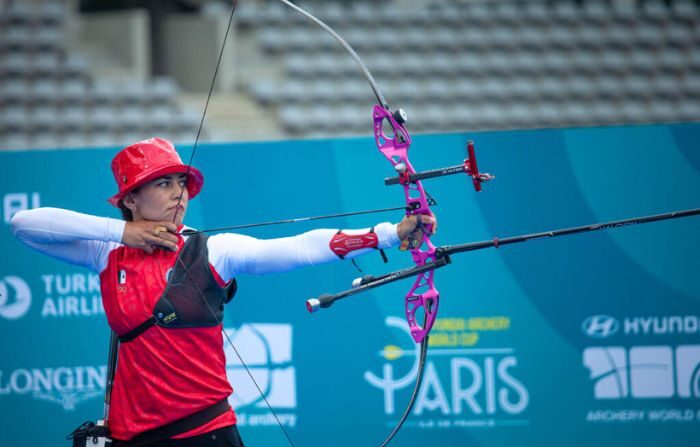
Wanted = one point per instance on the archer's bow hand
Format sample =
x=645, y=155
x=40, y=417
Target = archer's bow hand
x=411, y=229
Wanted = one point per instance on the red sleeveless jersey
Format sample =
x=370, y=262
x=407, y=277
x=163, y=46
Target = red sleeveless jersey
x=163, y=374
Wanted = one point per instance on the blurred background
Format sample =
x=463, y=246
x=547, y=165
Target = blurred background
x=108, y=72
x=609, y=94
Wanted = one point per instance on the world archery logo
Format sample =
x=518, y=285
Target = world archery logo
x=644, y=372
x=15, y=297
x=267, y=351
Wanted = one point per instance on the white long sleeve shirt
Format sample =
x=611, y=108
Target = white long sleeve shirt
x=87, y=240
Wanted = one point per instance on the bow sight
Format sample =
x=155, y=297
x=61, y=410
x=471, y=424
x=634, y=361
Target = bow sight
x=469, y=167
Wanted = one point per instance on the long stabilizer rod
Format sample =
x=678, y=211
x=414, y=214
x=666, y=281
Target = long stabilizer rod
x=442, y=254
x=496, y=242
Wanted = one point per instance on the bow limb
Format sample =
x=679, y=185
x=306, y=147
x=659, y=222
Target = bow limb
x=414, y=393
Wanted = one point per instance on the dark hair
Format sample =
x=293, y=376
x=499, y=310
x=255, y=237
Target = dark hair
x=127, y=215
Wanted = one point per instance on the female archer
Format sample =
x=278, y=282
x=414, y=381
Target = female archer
x=163, y=289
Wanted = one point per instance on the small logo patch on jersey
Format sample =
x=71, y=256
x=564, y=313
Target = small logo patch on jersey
x=122, y=276
x=168, y=274
x=170, y=317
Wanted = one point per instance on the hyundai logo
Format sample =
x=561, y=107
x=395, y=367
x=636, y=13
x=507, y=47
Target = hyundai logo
x=600, y=326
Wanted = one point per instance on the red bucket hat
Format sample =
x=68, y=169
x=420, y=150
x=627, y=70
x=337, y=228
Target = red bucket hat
x=147, y=160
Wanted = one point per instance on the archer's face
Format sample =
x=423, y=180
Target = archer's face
x=158, y=199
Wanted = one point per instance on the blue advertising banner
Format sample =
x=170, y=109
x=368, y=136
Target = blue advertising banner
x=591, y=339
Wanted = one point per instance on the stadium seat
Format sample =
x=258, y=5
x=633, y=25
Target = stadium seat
x=14, y=119
x=265, y=91
x=160, y=116
x=45, y=140
x=507, y=13
x=101, y=119
x=552, y=88
x=16, y=65
x=636, y=111
x=684, y=10
x=74, y=66
x=609, y=87
x=44, y=120
x=678, y=35
x=663, y=110
x=162, y=89
x=553, y=62
x=72, y=121
x=17, y=38
x=73, y=91
x=48, y=39
x=522, y=89
x=566, y=11
x=648, y=35
x=689, y=111
x=590, y=38
x=561, y=36
x=519, y=114
x=45, y=64
x=103, y=92
x=295, y=91
x=690, y=86
x=625, y=12
x=613, y=61
x=44, y=92
x=536, y=13
x=580, y=87
x=595, y=11
x=618, y=37
x=576, y=112
x=637, y=86
x=73, y=140
x=654, y=10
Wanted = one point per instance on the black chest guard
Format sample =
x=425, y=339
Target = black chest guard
x=181, y=305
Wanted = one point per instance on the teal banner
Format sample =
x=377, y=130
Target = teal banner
x=584, y=340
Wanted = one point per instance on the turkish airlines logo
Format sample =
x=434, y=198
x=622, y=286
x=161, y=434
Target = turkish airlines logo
x=15, y=297
x=600, y=326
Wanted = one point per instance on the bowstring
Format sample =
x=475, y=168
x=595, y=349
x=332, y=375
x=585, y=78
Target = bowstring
x=179, y=200
x=245, y=366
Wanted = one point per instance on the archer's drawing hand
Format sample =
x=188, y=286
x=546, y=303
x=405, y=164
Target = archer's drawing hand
x=148, y=235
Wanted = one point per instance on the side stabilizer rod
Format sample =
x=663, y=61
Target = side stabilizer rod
x=326, y=300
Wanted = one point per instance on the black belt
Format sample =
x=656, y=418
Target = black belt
x=177, y=427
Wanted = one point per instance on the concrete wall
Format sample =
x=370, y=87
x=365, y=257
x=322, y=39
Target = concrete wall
x=191, y=44
x=125, y=36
